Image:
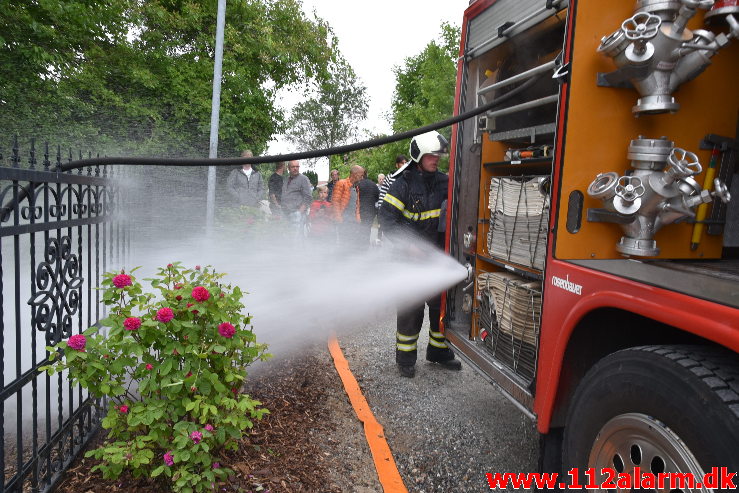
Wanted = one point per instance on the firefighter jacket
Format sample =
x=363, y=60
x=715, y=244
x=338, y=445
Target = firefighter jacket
x=413, y=204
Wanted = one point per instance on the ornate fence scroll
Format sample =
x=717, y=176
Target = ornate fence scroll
x=58, y=234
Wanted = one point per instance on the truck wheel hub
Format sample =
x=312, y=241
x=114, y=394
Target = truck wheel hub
x=635, y=440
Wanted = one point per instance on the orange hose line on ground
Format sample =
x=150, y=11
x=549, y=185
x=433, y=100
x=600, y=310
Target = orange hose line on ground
x=387, y=471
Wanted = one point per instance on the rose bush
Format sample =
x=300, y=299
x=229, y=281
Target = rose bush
x=171, y=370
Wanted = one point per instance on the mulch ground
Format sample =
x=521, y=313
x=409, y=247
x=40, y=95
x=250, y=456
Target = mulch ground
x=277, y=456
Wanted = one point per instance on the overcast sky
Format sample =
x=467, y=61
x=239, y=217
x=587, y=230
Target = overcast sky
x=377, y=36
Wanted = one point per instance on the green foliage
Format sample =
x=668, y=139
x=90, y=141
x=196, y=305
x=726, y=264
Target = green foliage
x=70, y=72
x=173, y=379
x=331, y=116
x=244, y=219
x=312, y=177
x=424, y=94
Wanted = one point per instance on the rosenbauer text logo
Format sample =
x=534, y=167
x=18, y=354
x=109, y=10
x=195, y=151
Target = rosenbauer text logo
x=565, y=284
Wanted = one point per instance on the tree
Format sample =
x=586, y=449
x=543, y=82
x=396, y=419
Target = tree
x=332, y=115
x=42, y=44
x=312, y=177
x=424, y=94
x=135, y=77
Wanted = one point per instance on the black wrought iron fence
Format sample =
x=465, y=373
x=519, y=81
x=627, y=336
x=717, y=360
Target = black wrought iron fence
x=59, y=232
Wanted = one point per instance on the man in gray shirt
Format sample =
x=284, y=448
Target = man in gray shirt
x=296, y=194
x=246, y=185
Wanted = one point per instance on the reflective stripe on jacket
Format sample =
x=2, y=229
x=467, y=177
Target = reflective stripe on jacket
x=413, y=202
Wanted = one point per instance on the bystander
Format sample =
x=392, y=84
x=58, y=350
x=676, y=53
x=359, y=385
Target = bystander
x=245, y=185
x=296, y=197
x=331, y=184
x=274, y=186
x=345, y=207
x=368, y=196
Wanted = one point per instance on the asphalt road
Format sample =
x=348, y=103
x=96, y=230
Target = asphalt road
x=445, y=429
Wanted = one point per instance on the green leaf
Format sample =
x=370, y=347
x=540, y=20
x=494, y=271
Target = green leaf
x=156, y=472
x=166, y=367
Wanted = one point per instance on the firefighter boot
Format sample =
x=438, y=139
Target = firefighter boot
x=407, y=371
x=406, y=361
x=444, y=357
x=405, y=356
x=437, y=350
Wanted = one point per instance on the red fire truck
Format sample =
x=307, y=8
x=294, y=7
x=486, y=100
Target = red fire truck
x=594, y=206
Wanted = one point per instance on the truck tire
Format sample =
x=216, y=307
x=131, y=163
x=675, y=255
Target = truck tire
x=662, y=408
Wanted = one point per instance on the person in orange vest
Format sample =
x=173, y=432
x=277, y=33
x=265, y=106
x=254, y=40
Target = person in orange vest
x=345, y=205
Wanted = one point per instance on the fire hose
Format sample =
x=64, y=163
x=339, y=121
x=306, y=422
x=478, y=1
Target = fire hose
x=153, y=161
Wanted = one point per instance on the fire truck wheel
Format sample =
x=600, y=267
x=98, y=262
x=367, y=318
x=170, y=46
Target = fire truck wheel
x=664, y=409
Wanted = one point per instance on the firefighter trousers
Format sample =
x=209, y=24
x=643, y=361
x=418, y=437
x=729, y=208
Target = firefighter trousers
x=410, y=321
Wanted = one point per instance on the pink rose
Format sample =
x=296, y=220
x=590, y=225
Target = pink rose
x=209, y=427
x=178, y=286
x=199, y=293
x=197, y=267
x=122, y=280
x=164, y=315
x=123, y=409
x=169, y=266
x=132, y=323
x=196, y=436
x=178, y=297
x=77, y=342
x=226, y=330
x=149, y=366
x=169, y=458
x=216, y=465
x=189, y=305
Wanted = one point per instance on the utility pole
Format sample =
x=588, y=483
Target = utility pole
x=215, y=115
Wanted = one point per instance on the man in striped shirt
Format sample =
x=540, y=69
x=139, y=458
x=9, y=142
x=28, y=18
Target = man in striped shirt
x=400, y=166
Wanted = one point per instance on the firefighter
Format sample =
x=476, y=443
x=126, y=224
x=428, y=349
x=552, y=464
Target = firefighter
x=410, y=214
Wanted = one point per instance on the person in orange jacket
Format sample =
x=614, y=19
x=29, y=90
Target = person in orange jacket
x=343, y=195
x=345, y=205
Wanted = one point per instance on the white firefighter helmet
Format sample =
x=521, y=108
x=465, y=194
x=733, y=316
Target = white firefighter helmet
x=429, y=143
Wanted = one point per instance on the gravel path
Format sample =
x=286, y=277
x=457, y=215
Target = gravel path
x=446, y=429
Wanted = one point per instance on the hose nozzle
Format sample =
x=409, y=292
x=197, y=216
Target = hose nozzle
x=470, y=272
